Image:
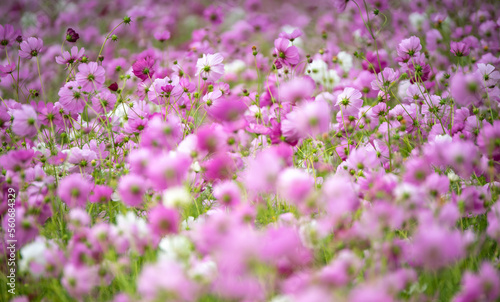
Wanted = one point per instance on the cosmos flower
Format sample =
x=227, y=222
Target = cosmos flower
x=7, y=35
x=285, y=53
x=74, y=190
x=71, y=97
x=90, y=76
x=144, y=68
x=210, y=67
x=70, y=57
x=31, y=48
x=25, y=121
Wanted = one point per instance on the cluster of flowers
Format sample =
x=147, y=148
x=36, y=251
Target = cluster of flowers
x=252, y=150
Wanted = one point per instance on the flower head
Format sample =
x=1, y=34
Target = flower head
x=210, y=67
x=30, y=48
x=285, y=53
x=144, y=68
x=71, y=35
x=74, y=190
x=7, y=35
x=90, y=76
x=25, y=121
x=70, y=57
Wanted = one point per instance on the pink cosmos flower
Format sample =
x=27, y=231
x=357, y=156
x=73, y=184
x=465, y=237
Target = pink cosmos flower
x=168, y=170
x=210, y=67
x=82, y=159
x=350, y=101
x=434, y=246
x=162, y=36
x=131, y=189
x=409, y=47
x=295, y=185
x=79, y=281
x=71, y=97
x=74, y=190
x=101, y=194
x=214, y=14
x=285, y=53
x=25, y=121
x=459, y=49
x=466, y=88
x=227, y=193
x=483, y=286
x=291, y=36
x=152, y=288
x=144, y=68
x=7, y=35
x=163, y=220
x=488, y=74
x=90, y=76
x=309, y=119
x=104, y=102
x=30, y=48
x=7, y=69
x=70, y=57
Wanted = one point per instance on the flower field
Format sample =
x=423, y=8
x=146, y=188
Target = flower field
x=250, y=150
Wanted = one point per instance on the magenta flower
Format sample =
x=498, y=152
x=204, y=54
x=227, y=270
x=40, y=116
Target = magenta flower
x=483, y=286
x=131, y=189
x=434, y=247
x=82, y=159
x=70, y=57
x=101, y=194
x=487, y=73
x=162, y=36
x=74, y=190
x=210, y=67
x=25, y=121
x=350, y=101
x=295, y=185
x=176, y=283
x=213, y=14
x=7, y=69
x=291, y=36
x=409, y=47
x=163, y=221
x=488, y=140
x=144, y=68
x=71, y=97
x=79, y=281
x=227, y=193
x=7, y=35
x=466, y=88
x=90, y=76
x=285, y=53
x=459, y=49
x=30, y=48
x=104, y=102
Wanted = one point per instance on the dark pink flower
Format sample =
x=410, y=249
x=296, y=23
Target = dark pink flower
x=144, y=68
